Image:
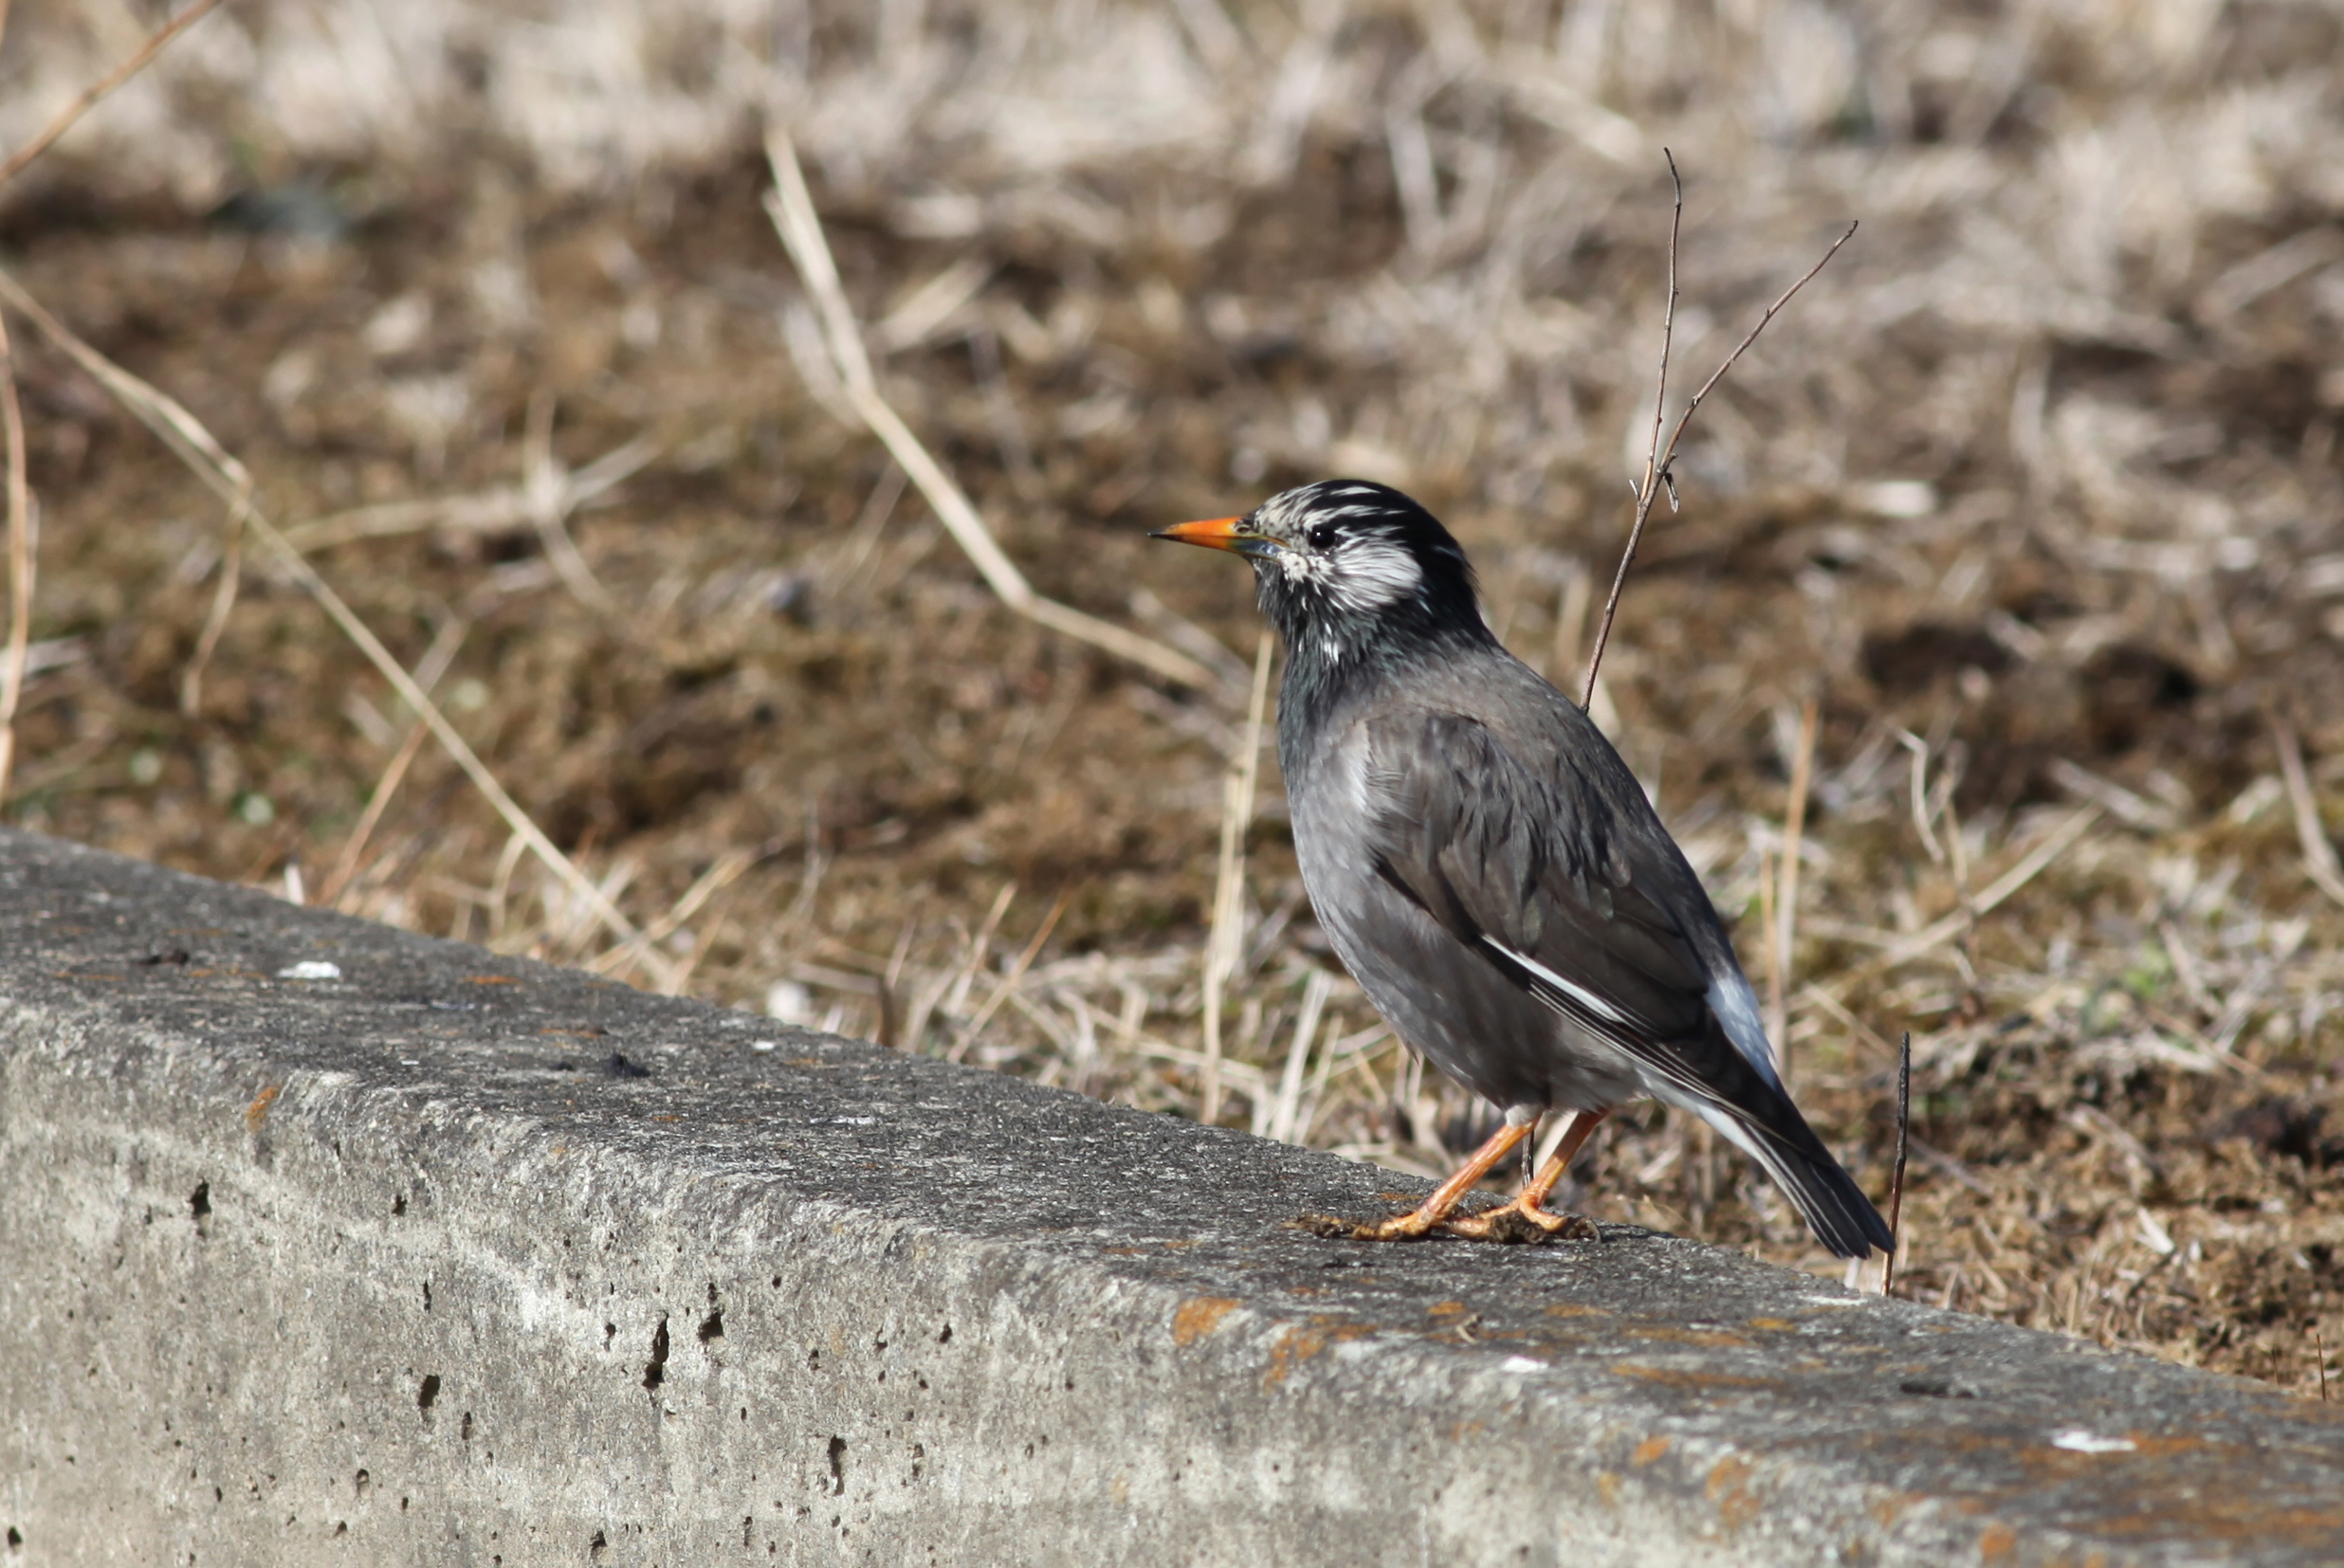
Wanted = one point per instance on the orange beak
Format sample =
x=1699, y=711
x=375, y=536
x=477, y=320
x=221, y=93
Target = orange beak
x=1212, y=532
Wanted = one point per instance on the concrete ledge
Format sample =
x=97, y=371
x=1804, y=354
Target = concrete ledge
x=457, y=1259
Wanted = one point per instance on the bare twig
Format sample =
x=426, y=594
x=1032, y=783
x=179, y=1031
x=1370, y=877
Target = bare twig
x=1222, y=944
x=1895, y=1179
x=201, y=451
x=791, y=207
x=2319, y=857
x=1659, y=458
x=22, y=552
x=90, y=95
x=1652, y=452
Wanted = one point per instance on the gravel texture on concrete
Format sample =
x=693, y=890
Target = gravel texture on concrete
x=323, y=1242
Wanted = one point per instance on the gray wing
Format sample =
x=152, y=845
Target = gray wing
x=1554, y=871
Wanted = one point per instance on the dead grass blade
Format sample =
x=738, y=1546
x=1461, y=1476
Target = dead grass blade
x=21, y=553
x=2319, y=857
x=637, y=949
x=1284, y=1115
x=1658, y=457
x=492, y=511
x=1785, y=929
x=90, y=95
x=2054, y=845
x=791, y=207
x=428, y=669
x=547, y=486
x=1223, y=943
x=195, y=444
x=1008, y=986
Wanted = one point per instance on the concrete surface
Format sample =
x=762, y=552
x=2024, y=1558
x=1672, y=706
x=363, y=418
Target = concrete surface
x=457, y=1259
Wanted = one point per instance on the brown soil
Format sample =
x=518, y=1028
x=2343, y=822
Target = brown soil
x=789, y=729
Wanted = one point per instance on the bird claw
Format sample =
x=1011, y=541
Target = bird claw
x=1515, y=1224
x=1510, y=1225
x=1408, y=1226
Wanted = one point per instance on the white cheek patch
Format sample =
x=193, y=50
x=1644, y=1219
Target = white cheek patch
x=1366, y=575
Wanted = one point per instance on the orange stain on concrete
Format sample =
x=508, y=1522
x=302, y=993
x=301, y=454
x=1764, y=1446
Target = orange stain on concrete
x=1199, y=1316
x=1300, y=1343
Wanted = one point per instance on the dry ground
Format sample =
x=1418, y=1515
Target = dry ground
x=2034, y=496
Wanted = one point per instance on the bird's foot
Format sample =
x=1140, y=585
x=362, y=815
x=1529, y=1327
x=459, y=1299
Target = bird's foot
x=1518, y=1223
x=1408, y=1226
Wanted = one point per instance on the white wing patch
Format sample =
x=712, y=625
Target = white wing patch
x=1576, y=992
x=1736, y=1006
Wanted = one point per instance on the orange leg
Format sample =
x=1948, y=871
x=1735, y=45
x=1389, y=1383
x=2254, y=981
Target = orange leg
x=1436, y=1209
x=1506, y=1221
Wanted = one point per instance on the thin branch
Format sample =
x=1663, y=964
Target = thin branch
x=791, y=207
x=1895, y=1179
x=21, y=553
x=201, y=451
x=1652, y=451
x=89, y=96
x=1658, y=459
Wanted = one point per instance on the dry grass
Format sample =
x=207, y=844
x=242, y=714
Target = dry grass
x=2033, y=496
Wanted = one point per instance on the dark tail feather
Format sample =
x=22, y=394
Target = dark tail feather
x=1836, y=1209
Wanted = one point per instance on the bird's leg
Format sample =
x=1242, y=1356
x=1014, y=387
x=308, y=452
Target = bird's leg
x=1436, y=1209
x=1506, y=1221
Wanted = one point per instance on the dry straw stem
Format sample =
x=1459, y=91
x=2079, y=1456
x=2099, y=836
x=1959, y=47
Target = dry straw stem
x=2319, y=857
x=1935, y=934
x=1223, y=943
x=195, y=446
x=1784, y=930
x=543, y=482
x=21, y=556
x=1658, y=458
x=428, y=669
x=90, y=95
x=791, y=207
x=491, y=511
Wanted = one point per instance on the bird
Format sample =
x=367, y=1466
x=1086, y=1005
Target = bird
x=1491, y=873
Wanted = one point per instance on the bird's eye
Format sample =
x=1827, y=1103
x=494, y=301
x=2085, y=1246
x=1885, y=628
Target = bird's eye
x=1322, y=535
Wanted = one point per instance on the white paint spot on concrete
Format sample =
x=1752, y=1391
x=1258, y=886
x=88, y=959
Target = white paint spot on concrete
x=310, y=969
x=2077, y=1440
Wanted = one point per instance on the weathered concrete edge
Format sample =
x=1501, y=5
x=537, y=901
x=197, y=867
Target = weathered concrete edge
x=299, y=1192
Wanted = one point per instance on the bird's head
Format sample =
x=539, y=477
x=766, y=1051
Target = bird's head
x=1346, y=565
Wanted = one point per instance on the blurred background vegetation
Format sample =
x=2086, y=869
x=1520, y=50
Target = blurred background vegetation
x=2003, y=604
